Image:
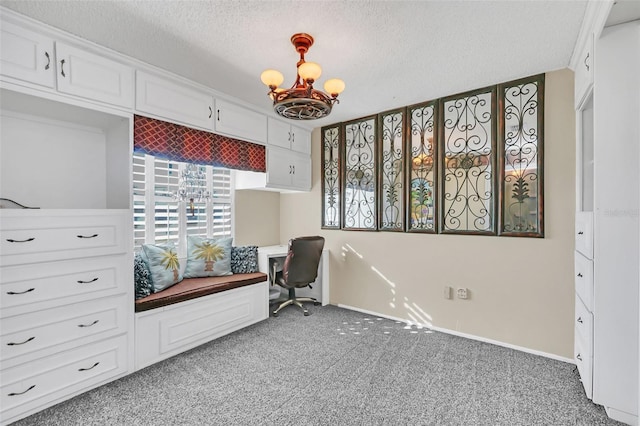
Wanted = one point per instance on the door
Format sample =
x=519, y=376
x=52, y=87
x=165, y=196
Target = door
x=26, y=55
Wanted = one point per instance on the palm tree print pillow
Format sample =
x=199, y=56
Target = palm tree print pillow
x=207, y=257
x=163, y=265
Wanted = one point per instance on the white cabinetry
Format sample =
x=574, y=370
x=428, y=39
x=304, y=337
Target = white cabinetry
x=607, y=225
x=584, y=72
x=94, y=77
x=173, y=101
x=26, y=55
x=239, y=122
x=288, y=170
x=288, y=136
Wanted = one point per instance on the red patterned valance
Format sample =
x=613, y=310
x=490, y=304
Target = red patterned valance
x=180, y=143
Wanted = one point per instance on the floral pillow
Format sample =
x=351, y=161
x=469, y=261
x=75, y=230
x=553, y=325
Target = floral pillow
x=142, y=276
x=208, y=257
x=244, y=259
x=163, y=264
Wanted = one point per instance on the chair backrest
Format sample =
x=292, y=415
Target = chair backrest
x=301, y=265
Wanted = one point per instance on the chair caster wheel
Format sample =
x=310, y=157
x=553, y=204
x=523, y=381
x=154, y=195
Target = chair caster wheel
x=316, y=303
x=275, y=314
x=306, y=313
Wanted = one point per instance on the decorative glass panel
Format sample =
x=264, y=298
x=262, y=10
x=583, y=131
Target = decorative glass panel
x=331, y=177
x=522, y=179
x=392, y=171
x=468, y=163
x=422, y=168
x=360, y=175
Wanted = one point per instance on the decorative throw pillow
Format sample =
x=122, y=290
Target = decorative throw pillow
x=142, y=276
x=207, y=257
x=244, y=259
x=163, y=264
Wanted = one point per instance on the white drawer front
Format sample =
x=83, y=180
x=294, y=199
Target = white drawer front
x=59, y=237
x=584, y=233
x=50, y=284
x=584, y=362
x=36, y=383
x=25, y=334
x=584, y=279
x=584, y=325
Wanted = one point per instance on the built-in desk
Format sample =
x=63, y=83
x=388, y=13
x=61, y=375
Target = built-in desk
x=268, y=255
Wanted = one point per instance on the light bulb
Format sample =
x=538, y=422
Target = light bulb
x=272, y=78
x=309, y=71
x=335, y=86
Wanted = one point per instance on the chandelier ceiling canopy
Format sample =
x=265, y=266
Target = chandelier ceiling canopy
x=302, y=101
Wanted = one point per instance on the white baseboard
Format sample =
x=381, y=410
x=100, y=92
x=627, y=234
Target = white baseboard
x=465, y=335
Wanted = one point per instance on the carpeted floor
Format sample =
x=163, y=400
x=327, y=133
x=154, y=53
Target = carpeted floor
x=338, y=367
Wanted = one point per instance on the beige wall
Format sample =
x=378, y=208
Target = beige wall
x=256, y=218
x=521, y=289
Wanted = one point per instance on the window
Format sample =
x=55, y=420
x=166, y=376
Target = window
x=158, y=214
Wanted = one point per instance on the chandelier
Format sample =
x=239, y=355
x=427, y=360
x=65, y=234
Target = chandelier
x=192, y=186
x=302, y=101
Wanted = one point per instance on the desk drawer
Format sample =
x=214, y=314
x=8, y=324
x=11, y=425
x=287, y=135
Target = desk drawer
x=49, y=284
x=36, y=383
x=584, y=362
x=584, y=233
x=54, y=237
x=28, y=333
x=584, y=325
x=584, y=279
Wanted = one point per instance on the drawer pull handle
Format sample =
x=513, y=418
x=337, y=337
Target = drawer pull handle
x=87, y=236
x=580, y=320
x=88, y=325
x=210, y=112
x=21, y=393
x=20, y=241
x=585, y=61
x=87, y=282
x=62, y=61
x=46, y=54
x=579, y=275
x=579, y=357
x=580, y=233
x=21, y=343
x=20, y=292
x=87, y=369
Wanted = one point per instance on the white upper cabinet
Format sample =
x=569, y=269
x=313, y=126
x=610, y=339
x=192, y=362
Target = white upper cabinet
x=287, y=136
x=174, y=101
x=94, y=77
x=26, y=55
x=584, y=72
x=288, y=170
x=239, y=122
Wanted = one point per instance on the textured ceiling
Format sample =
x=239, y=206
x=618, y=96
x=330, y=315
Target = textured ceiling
x=389, y=53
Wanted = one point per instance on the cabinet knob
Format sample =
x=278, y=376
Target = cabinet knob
x=579, y=357
x=580, y=320
x=580, y=233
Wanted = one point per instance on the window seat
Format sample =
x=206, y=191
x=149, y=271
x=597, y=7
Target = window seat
x=196, y=311
x=191, y=288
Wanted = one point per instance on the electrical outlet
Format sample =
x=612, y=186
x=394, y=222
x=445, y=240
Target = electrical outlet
x=462, y=293
x=447, y=292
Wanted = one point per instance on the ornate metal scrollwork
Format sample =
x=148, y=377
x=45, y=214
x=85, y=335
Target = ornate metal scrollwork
x=360, y=175
x=331, y=177
x=467, y=172
x=422, y=169
x=392, y=171
x=521, y=179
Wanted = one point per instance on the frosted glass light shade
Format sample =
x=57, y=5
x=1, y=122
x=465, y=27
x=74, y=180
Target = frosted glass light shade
x=272, y=78
x=334, y=86
x=309, y=71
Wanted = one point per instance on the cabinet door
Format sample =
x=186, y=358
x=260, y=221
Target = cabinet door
x=279, y=168
x=93, y=76
x=279, y=133
x=301, y=140
x=26, y=55
x=174, y=101
x=239, y=122
x=301, y=172
x=584, y=73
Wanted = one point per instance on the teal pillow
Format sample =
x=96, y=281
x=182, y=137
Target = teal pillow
x=207, y=257
x=163, y=264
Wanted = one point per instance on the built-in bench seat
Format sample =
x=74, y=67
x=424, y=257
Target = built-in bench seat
x=191, y=288
x=196, y=311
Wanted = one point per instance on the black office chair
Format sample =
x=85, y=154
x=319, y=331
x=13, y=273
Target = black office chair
x=300, y=269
